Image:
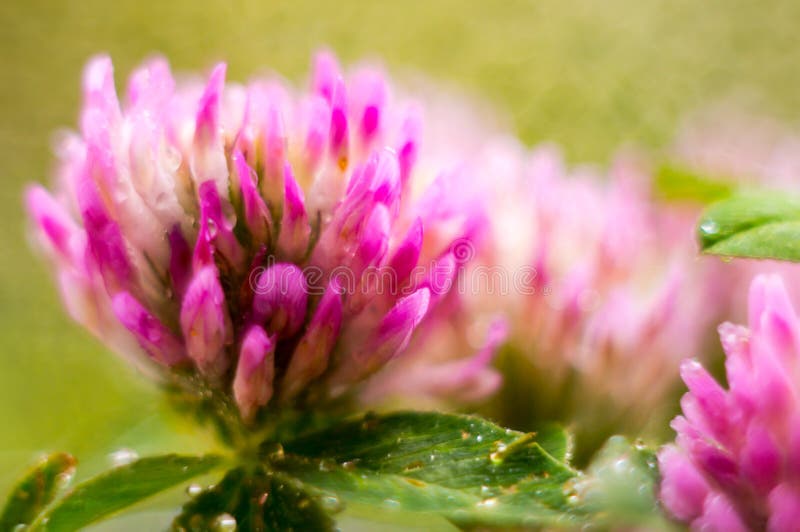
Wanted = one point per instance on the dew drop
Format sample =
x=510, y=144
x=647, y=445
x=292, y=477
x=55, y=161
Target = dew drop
x=391, y=503
x=331, y=503
x=224, y=523
x=709, y=227
x=193, y=490
x=479, y=438
x=123, y=457
x=487, y=503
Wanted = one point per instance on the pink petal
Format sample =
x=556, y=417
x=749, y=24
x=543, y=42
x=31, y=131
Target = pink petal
x=310, y=357
x=205, y=323
x=281, y=298
x=152, y=335
x=295, y=229
x=255, y=372
x=683, y=488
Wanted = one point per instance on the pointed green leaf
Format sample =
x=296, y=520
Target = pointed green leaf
x=36, y=490
x=455, y=451
x=462, y=467
x=764, y=225
x=255, y=500
x=121, y=487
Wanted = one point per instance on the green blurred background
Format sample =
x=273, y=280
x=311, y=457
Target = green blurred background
x=590, y=75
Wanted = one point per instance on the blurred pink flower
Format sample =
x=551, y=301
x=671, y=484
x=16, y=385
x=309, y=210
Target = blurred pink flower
x=614, y=296
x=235, y=230
x=736, y=459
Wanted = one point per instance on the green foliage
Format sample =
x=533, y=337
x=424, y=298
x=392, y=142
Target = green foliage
x=460, y=468
x=119, y=488
x=465, y=468
x=36, y=490
x=255, y=499
x=674, y=182
x=764, y=225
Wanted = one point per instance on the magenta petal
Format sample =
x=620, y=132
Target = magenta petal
x=152, y=335
x=395, y=329
x=319, y=121
x=369, y=100
x=339, y=128
x=255, y=372
x=256, y=215
x=280, y=299
x=99, y=93
x=374, y=240
x=326, y=74
x=205, y=323
x=710, y=398
x=719, y=515
x=310, y=357
x=408, y=148
x=683, y=488
x=180, y=261
x=106, y=243
x=761, y=459
x=784, y=506
x=406, y=256
x=274, y=156
x=386, y=183
x=716, y=463
x=208, y=112
x=442, y=275
x=220, y=230
x=391, y=337
x=295, y=230
x=53, y=221
x=151, y=86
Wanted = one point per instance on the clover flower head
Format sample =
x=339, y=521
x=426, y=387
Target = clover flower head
x=609, y=298
x=281, y=245
x=736, y=458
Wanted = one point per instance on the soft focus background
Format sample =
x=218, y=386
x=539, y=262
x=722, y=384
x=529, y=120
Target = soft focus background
x=589, y=75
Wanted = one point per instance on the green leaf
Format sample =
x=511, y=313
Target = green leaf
x=465, y=468
x=764, y=225
x=255, y=500
x=674, y=182
x=620, y=485
x=463, y=452
x=36, y=490
x=121, y=487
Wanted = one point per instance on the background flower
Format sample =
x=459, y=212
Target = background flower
x=615, y=297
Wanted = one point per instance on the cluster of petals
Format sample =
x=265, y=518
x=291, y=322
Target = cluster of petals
x=735, y=463
x=283, y=244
